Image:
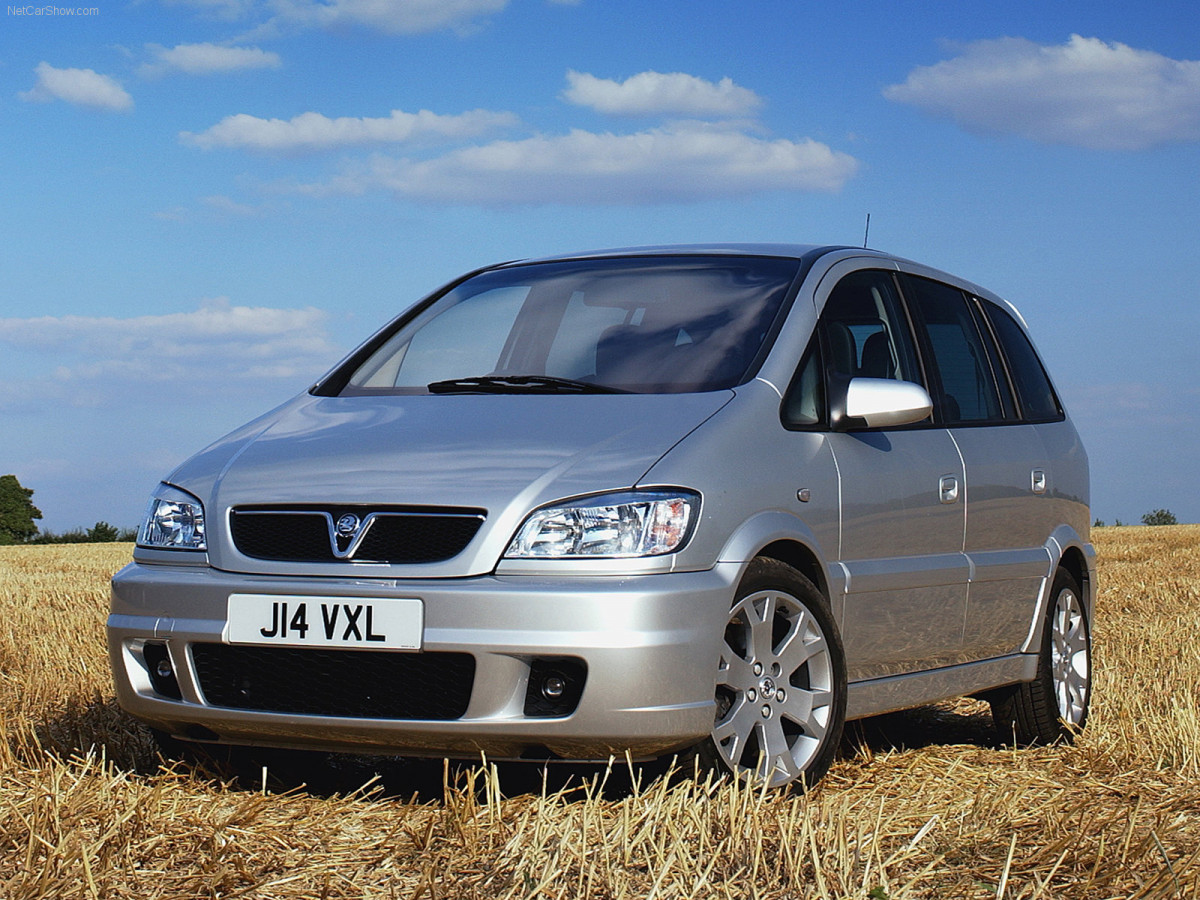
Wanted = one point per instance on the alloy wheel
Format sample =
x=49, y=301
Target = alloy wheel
x=775, y=689
x=1069, y=663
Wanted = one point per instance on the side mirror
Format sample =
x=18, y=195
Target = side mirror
x=884, y=403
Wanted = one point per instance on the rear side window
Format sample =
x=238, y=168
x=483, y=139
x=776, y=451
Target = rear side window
x=966, y=387
x=1038, y=401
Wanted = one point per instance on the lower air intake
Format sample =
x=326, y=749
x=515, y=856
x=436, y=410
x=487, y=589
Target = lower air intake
x=347, y=683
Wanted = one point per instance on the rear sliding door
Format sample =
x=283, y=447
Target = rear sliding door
x=1007, y=473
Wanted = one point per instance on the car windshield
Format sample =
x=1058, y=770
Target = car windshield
x=645, y=324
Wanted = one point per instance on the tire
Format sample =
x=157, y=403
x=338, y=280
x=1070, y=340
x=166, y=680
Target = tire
x=780, y=682
x=1054, y=706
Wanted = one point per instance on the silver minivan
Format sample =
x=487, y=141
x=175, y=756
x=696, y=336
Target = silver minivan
x=714, y=500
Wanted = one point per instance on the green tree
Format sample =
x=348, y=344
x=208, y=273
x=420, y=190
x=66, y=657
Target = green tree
x=102, y=533
x=17, y=511
x=1159, y=517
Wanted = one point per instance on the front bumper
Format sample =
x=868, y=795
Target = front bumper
x=649, y=643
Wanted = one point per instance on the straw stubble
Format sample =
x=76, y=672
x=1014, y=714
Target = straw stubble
x=920, y=804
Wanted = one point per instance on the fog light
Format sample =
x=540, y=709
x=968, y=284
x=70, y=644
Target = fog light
x=158, y=666
x=553, y=687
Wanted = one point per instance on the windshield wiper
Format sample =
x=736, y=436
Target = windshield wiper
x=519, y=384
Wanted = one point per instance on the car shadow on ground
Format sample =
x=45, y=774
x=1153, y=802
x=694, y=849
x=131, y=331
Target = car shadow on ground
x=962, y=721
x=955, y=722
x=965, y=722
x=98, y=729
x=415, y=780
x=100, y=726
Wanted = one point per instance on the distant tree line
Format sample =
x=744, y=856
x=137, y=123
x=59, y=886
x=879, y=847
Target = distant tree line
x=18, y=521
x=1159, y=517
x=100, y=533
x=1154, y=517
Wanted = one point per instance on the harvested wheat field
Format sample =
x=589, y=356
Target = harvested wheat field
x=921, y=804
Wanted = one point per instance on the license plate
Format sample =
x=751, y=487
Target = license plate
x=304, y=621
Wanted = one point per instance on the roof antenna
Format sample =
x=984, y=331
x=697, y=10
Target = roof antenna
x=867, y=232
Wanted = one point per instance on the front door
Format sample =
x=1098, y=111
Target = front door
x=902, y=532
x=902, y=495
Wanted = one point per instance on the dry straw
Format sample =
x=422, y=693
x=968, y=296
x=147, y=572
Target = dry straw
x=920, y=804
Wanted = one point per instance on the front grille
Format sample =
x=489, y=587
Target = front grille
x=390, y=534
x=357, y=684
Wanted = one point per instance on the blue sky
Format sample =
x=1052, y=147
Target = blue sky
x=206, y=203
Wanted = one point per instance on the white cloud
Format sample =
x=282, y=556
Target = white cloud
x=1086, y=93
x=229, y=10
x=216, y=206
x=98, y=408
x=207, y=59
x=229, y=206
x=656, y=93
x=388, y=16
x=685, y=163
x=82, y=87
x=88, y=358
x=172, y=214
x=312, y=131
x=1110, y=407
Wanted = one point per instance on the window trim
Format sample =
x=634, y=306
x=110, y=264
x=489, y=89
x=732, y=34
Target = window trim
x=819, y=344
x=822, y=425
x=930, y=363
x=1009, y=401
x=1022, y=417
x=981, y=310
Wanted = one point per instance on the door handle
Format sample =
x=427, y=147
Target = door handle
x=1038, y=481
x=948, y=489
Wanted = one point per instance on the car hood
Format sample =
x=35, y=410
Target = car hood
x=505, y=454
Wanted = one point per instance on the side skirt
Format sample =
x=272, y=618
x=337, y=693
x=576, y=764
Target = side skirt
x=882, y=695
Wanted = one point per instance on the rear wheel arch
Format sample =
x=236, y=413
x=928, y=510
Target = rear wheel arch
x=1054, y=705
x=1074, y=561
x=1069, y=554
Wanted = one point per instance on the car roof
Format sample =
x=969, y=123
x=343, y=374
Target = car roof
x=807, y=254
x=788, y=251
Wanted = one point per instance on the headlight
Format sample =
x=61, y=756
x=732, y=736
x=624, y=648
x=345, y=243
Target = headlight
x=628, y=524
x=174, y=521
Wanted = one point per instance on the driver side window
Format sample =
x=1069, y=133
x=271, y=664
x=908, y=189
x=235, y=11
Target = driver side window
x=865, y=331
